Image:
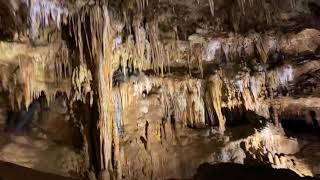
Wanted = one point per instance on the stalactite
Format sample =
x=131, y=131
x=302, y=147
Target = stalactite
x=200, y=65
x=280, y=77
x=215, y=85
x=262, y=51
x=235, y=18
x=264, y=11
x=293, y=3
x=42, y=11
x=211, y=4
x=226, y=51
x=26, y=76
x=212, y=50
x=81, y=83
x=241, y=4
x=196, y=105
x=209, y=108
x=62, y=64
x=171, y=54
x=140, y=41
x=142, y=4
x=157, y=50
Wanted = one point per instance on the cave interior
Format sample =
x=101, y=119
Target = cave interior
x=159, y=89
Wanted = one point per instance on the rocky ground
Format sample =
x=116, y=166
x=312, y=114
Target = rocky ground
x=10, y=171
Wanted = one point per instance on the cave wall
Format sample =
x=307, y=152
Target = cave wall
x=151, y=73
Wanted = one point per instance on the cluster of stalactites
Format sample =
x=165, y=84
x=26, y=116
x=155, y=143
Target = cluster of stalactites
x=62, y=64
x=144, y=51
x=184, y=100
x=197, y=103
x=42, y=12
x=181, y=98
x=248, y=91
x=29, y=76
x=237, y=47
x=81, y=84
x=244, y=6
x=28, y=87
x=142, y=4
x=262, y=10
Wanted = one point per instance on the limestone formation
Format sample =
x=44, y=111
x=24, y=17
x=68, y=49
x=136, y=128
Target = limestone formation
x=152, y=89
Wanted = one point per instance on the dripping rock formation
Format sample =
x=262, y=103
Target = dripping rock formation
x=159, y=89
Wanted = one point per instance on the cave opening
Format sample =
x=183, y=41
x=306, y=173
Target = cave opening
x=241, y=122
x=236, y=117
x=240, y=116
x=303, y=124
x=47, y=128
x=88, y=115
x=50, y=120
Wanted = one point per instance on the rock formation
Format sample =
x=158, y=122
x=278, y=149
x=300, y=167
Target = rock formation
x=152, y=89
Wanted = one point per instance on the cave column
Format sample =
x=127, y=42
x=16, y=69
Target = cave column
x=107, y=124
x=104, y=89
x=100, y=48
x=104, y=124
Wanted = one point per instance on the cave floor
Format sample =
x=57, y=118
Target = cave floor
x=9, y=171
x=37, y=153
x=310, y=145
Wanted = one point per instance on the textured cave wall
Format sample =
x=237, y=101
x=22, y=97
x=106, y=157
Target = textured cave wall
x=190, y=60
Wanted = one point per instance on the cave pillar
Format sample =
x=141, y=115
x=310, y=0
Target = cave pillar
x=104, y=124
x=107, y=125
x=100, y=48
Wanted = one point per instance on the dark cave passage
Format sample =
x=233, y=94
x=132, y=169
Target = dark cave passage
x=54, y=120
x=48, y=129
x=237, y=171
x=242, y=122
x=295, y=125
